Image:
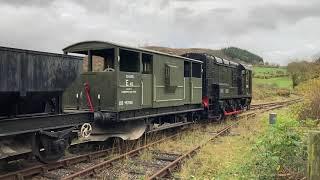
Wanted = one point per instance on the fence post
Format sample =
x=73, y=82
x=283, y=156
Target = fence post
x=314, y=155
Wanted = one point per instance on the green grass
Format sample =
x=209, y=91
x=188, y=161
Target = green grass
x=268, y=70
x=278, y=82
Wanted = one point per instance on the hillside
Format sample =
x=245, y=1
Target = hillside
x=231, y=53
x=243, y=55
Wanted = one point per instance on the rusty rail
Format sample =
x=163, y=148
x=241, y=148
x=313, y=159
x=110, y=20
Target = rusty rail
x=263, y=105
x=44, y=168
x=108, y=163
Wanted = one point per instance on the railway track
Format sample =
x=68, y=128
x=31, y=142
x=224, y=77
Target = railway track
x=266, y=105
x=161, y=164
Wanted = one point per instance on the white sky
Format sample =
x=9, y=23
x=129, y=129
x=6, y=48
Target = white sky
x=277, y=30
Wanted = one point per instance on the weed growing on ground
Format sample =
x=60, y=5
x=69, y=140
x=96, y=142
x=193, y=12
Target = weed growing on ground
x=279, y=152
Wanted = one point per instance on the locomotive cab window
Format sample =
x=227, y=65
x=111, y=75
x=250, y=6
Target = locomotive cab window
x=234, y=78
x=196, y=70
x=129, y=61
x=146, y=63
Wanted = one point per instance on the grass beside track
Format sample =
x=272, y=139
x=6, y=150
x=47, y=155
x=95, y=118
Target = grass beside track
x=255, y=150
x=224, y=153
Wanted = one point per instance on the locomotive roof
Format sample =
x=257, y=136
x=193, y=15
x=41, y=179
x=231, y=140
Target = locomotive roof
x=229, y=62
x=95, y=45
x=226, y=62
x=247, y=66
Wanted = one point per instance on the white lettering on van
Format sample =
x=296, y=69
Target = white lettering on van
x=129, y=76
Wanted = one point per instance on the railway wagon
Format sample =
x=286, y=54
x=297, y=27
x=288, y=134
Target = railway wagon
x=134, y=90
x=227, y=86
x=31, y=114
x=33, y=82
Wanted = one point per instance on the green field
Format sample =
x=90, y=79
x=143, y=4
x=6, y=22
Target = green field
x=257, y=70
x=276, y=82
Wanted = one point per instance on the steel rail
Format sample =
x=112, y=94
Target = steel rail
x=262, y=105
x=44, y=168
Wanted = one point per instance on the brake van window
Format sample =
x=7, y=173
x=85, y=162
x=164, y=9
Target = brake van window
x=129, y=61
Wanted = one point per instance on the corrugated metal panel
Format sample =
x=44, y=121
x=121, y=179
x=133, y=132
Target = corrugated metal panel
x=31, y=71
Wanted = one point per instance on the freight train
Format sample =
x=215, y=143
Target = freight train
x=50, y=101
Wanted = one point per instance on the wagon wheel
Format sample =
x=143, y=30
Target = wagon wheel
x=219, y=117
x=50, y=106
x=196, y=117
x=47, y=149
x=85, y=130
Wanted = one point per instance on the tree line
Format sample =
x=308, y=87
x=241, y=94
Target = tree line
x=301, y=71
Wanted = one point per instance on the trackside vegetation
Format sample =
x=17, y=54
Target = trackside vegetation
x=256, y=150
x=280, y=152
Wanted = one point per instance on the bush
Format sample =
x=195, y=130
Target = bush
x=265, y=91
x=311, y=105
x=283, y=92
x=281, y=150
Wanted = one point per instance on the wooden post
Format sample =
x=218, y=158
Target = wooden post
x=314, y=155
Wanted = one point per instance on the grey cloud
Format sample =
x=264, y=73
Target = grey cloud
x=22, y=3
x=58, y=23
x=121, y=6
x=270, y=16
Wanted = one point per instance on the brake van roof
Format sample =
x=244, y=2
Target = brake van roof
x=94, y=45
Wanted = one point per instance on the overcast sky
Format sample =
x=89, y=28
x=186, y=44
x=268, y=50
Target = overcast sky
x=277, y=30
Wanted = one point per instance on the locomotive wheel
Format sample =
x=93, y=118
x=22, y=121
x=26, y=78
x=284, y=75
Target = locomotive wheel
x=47, y=149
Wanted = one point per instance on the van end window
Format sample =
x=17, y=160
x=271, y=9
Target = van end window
x=196, y=70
